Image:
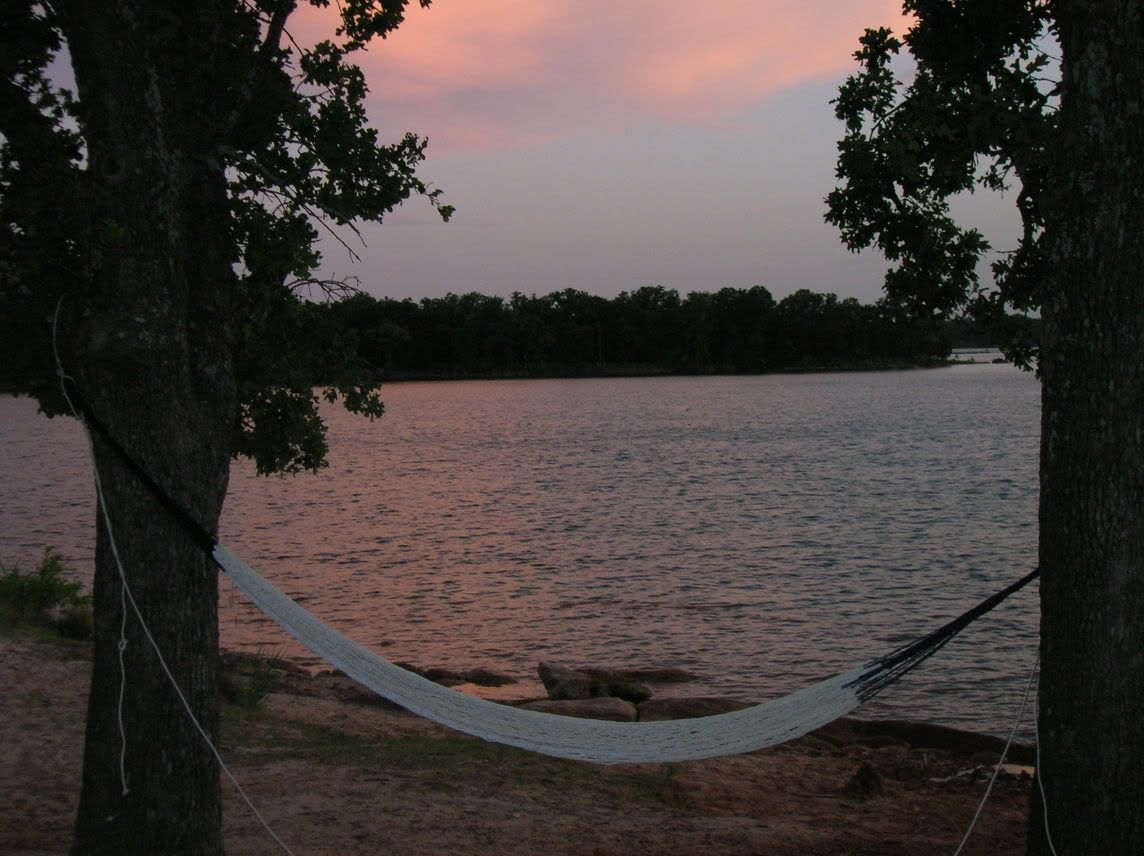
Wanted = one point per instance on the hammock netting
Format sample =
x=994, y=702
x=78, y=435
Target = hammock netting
x=603, y=742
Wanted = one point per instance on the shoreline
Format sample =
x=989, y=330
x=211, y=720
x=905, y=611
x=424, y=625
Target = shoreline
x=619, y=372
x=338, y=771
x=291, y=678
x=648, y=371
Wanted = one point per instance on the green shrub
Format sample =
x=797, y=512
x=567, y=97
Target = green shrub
x=76, y=621
x=39, y=595
x=259, y=684
x=250, y=679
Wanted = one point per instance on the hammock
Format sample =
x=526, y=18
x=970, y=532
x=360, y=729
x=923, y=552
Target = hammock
x=601, y=742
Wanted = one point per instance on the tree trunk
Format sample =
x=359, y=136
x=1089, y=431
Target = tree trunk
x=1092, y=447
x=152, y=357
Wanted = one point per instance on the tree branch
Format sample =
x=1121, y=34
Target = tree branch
x=275, y=29
x=332, y=288
x=31, y=135
x=263, y=59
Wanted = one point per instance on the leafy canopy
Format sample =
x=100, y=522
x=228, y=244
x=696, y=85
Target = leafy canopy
x=300, y=158
x=978, y=112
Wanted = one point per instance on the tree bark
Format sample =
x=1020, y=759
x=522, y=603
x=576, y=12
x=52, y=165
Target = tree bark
x=152, y=357
x=1091, y=722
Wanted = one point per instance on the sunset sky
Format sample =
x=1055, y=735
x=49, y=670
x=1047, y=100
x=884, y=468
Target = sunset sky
x=605, y=146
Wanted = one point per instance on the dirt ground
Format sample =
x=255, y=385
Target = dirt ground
x=334, y=774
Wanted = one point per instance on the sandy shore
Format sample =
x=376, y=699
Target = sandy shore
x=336, y=774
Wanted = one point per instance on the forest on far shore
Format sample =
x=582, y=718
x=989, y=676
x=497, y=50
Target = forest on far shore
x=650, y=330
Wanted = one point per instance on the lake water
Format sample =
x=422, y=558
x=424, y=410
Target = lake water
x=762, y=532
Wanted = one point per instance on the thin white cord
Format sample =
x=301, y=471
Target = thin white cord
x=121, y=648
x=1004, y=752
x=1041, y=783
x=122, y=645
x=130, y=598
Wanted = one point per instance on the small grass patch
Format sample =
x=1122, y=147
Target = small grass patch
x=67, y=648
x=44, y=596
x=261, y=738
x=447, y=764
x=248, y=685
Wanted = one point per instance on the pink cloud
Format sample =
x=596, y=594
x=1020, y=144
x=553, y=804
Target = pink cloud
x=507, y=72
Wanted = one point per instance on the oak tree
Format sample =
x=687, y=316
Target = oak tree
x=988, y=104
x=174, y=200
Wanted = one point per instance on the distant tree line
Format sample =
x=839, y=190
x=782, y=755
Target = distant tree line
x=650, y=330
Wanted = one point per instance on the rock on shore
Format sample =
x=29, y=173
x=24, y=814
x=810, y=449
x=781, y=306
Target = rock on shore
x=601, y=707
x=341, y=777
x=565, y=684
x=595, y=693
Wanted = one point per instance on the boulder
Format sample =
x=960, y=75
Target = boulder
x=450, y=678
x=645, y=676
x=918, y=735
x=842, y=732
x=603, y=707
x=564, y=684
x=488, y=678
x=444, y=677
x=658, y=709
x=627, y=690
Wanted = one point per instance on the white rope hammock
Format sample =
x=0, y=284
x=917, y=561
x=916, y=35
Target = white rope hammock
x=561, y=736
x=601, y=742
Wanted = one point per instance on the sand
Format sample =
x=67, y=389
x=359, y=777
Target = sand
x=334, y=774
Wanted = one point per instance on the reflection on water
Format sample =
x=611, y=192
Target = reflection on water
x=760, y=531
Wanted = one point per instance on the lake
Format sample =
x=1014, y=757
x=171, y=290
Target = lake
x=762, y=532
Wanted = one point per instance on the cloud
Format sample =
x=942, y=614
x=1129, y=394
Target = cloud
x=508, y=72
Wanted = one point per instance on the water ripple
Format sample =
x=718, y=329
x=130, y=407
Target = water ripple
x=761, y=531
